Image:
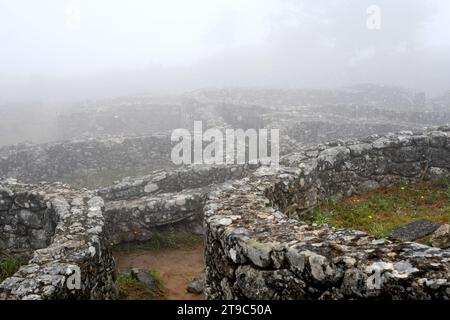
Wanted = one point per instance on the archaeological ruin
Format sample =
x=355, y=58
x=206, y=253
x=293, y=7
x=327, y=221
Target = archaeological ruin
x=66, y=204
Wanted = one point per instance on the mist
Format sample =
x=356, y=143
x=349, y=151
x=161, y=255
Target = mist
x=72, y=50
x=224, y=149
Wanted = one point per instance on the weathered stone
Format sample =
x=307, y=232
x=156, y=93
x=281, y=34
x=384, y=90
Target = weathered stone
x=292, y=260
x=414, y=230
x=441, y=237
x=144, y=277
x=196, y=285
x=358, y=150
x=68, y=253
x=151, y=187
x=87, y=162
x=253, y=250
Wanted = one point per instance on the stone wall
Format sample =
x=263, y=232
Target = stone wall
x=136, y=208
x=86, y=163
x=254, y=247
x=26, y=223
x=167, y=181
x=409, y=117
x=254, y=250
x=313, y=132
x=72, y=260
x=120, y=118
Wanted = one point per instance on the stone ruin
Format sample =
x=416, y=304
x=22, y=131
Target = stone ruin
x=255, y=248
x=135, y=207
x=62, y=231
x=256, y=251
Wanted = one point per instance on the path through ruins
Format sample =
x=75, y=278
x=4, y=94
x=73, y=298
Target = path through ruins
x=176, y=266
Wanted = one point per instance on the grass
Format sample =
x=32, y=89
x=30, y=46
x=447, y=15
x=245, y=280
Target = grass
x=165, y=239
x=9, y=265
x=157, y=276
x=130, y=288
x=379, y=212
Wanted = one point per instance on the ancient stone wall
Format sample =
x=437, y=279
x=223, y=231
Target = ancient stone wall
x=167, y=181
x=26, y=223
x=73, y=260
x=255, y=250
x=313, y=132
x=136, y=208
x=88, y=163
x=115, y=118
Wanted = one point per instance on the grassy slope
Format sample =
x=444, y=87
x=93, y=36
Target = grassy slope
x=380, y=211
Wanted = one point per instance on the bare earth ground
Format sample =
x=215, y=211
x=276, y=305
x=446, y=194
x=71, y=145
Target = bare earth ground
x=176, y=266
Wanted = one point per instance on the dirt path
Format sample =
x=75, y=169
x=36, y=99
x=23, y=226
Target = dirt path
x=176, y=266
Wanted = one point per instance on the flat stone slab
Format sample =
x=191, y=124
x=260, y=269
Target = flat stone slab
x=414, y=230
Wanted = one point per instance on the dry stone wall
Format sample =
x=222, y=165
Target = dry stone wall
x=26, y=223
x=87, y=163
x=254, y=250
x=66, y=227
x=135, y=208
x=254, y=247
x=119, y=118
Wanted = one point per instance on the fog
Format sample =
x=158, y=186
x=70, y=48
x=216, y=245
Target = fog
x=70, y=50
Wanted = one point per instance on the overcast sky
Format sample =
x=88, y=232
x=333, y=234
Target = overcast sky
x=89, y=48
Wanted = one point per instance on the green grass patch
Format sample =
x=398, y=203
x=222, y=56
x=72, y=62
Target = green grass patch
x=9, y=265
x=157, y=276
x=130, y=288
x=379, y=212
x=162, y=240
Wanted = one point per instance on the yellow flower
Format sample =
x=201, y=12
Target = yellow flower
x=370, y=217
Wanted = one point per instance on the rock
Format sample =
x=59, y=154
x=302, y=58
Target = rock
x=414, y=230
x=360, y=149
x=441, y=237
x=124, y=272
x=144, y=277
x=436, y=173
x=151, y=187
x=333, y=156
x=438, y=139
x=197, y=285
